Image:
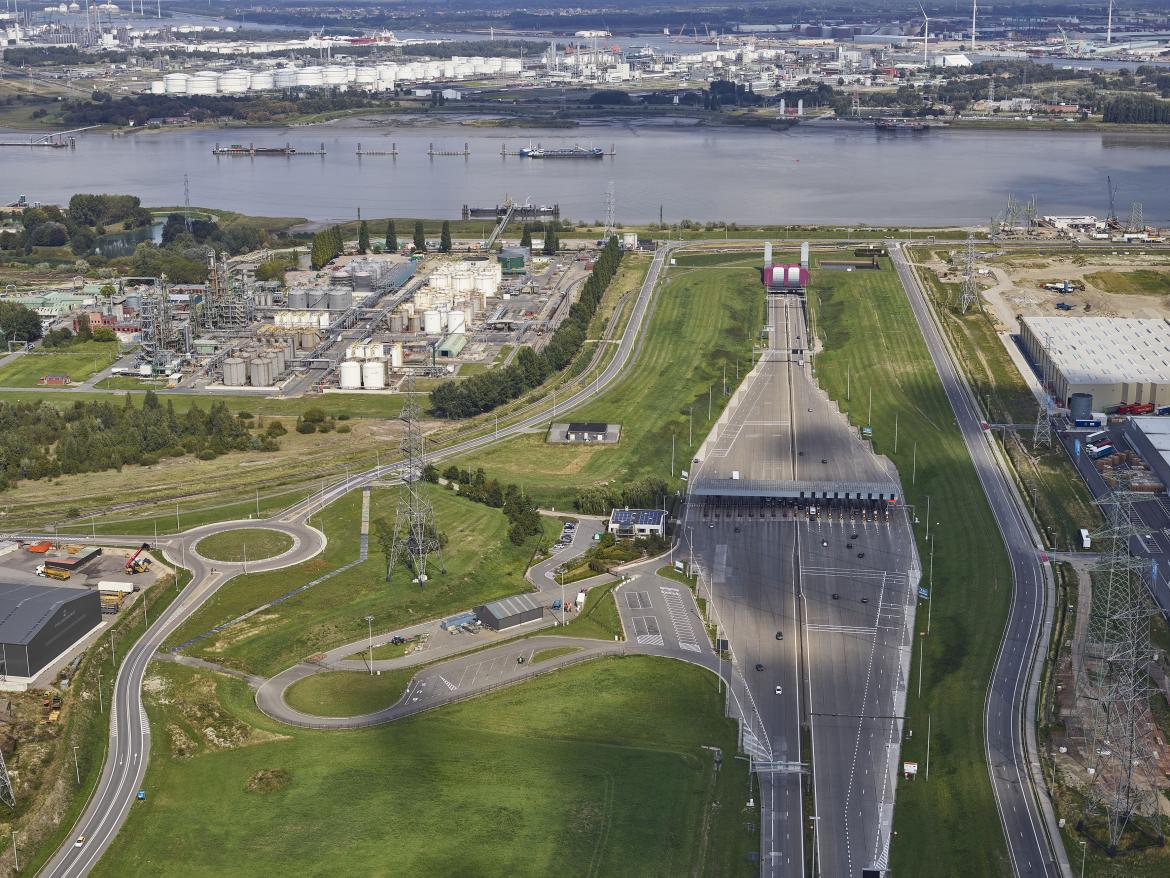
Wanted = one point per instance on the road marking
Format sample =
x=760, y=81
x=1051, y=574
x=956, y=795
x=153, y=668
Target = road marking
x=680, y=619
x=647, y=631
x=638, y=600
x=451, y=686
x=145, y=723
x=844, y=629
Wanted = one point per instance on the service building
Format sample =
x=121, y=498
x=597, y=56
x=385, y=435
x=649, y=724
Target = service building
x=38, y=624
x=509, y=612
x=1117, y=360
x=628, y=524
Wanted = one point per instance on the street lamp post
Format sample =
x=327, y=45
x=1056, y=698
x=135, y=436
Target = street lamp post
x=76, y=767
x=562, y=597
x=370, y=625
x=1084, y=854
x=101, y=702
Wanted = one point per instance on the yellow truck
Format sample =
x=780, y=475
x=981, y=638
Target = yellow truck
x=52, y=572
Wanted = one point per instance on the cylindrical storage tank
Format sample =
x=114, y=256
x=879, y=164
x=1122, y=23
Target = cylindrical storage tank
x=298, y=299
x=176, y=83
x=363, y=281
x=351, y=375
x=158, y=87
x=262, y=80
x=432, y=322
x=318, y=297
x=206, y=82
x=367, y=76
x=234, y=82
x=412, y=323
x=285, y=77
x=396, y=355
x=334, y=74
x=351, y=73
x=259, y=372
x=310, y=340
x=373, y=374
x=340, y=299
x=1081, y=406
x=235, y=372
x=323, y=320
x=277, y=355
x=310, y=77
x=464, y=282
x=456, y=321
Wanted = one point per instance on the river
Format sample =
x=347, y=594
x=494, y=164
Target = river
x=812, y=173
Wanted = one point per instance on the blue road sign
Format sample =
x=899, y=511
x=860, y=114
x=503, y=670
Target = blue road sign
x=923, y=593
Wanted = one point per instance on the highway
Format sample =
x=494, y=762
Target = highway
x=1013, y=754
x=129, y=747
x=818, y=608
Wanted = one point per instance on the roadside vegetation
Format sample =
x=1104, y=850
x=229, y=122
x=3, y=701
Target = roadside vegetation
x=601, y=768
x=248, y=544
x=949, y=825
x=597, y=620
x=482, y=564
x=700, y=331
x=348, y=693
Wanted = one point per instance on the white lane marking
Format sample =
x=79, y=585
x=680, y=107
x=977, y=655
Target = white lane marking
x=680, y=619
x=451, y=686
x=144, y=722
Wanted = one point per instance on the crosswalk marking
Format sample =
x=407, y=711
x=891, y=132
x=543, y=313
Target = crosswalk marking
x=144, y=723
x=680, y=619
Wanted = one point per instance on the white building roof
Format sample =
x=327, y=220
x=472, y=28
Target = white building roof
x=1157, y=431
x=1105, y=350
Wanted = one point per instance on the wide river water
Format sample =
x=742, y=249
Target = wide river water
x=809, y=174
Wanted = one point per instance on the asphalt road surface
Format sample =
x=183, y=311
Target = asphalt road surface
x=129, y=749
x=818, y=610
x=1010, y=726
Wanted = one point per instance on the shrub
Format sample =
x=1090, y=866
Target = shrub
x=344, y=428
x=207, y=454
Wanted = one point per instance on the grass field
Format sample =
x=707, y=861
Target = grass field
x=949, y=825
x=242, y=545
x=1136, y=282
x=78, y=361
x=598, y=619
x=348, y=693
x=704, y=322
x=599, y=769
x=482, y=565
x=553, y=652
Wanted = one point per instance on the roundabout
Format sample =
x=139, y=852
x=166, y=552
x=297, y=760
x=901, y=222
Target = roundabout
x=245, y=544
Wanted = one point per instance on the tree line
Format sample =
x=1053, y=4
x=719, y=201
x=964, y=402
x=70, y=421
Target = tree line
x=38, y=440
x=644, y=493
x=327, y=246
x=518, y=507
x=1139, y=109
x=487, y=390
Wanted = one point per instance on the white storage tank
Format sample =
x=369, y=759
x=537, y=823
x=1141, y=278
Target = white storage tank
x=262, y=80
x=260, y=372
x=456, y=321
x=234, y=82
x=351, y=73
x=205, y=82
x=158, y=87
x=334, y=74
x=373, y=374
x=432, y=322
x=310, y=77
x=396, y=355
x=351, y=375
x=176, y=83
x=235, y=372
x=285, y=77
x=323, y=320
x=368, y=76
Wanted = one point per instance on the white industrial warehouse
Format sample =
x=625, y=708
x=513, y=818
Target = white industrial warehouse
x=1117, y=360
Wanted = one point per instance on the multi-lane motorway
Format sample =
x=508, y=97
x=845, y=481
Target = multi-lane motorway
x=129, y=747
x=1010, y=730
x=817, y=606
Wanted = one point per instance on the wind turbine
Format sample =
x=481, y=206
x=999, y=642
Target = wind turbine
x=974, y=7
x=926, y=36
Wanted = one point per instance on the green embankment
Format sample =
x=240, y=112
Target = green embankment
x=246, y=544
x=482, y=565
x=599, y=769
x=1135, y=282
x=348, y=693
x=947, y=825
x=704, y=323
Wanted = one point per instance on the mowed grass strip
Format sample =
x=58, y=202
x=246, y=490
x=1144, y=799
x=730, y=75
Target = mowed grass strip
x=77, y=362
x=246, y=544
x=348, y=693
x=702, y=327
x=947, y=825
x=482, y=565
x=598, y=769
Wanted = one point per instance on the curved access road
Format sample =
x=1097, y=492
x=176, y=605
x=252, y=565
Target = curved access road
x=129, y=748
x=1013, y=755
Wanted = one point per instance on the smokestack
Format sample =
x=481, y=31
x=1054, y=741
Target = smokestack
x=800, y=107
x=804, y=255
x=781, y=106
x=767, y=253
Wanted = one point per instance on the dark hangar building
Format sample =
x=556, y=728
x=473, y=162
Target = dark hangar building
x=38, y=623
